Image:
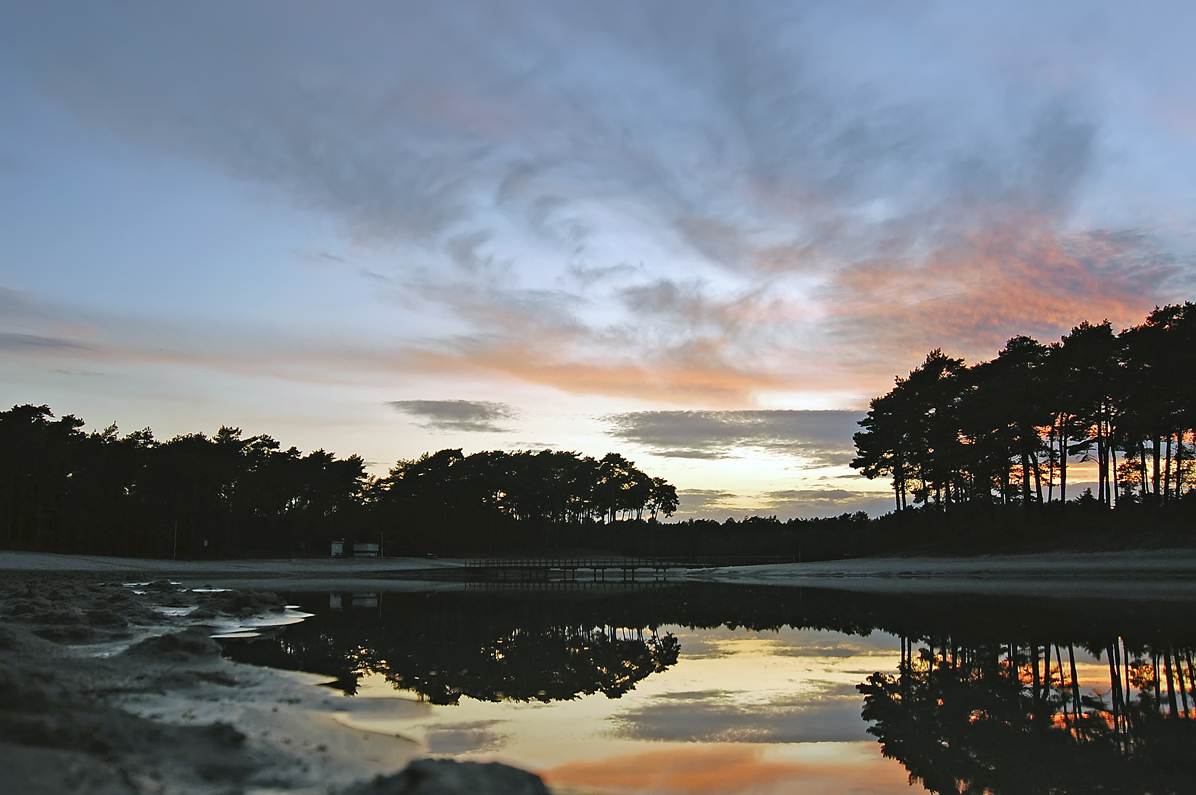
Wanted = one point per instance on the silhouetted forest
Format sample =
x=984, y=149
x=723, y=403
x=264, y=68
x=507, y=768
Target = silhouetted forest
x=63, y=489
x=979, y=459
x=1004, y=431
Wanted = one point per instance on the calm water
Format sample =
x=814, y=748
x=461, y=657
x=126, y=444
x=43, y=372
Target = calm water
x=687, y=689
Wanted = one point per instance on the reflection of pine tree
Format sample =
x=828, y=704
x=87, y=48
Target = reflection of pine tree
x=991, y=719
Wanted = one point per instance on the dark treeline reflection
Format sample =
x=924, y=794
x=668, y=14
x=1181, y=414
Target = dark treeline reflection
x=443, y=646
x=994, y=718
x=991, y=695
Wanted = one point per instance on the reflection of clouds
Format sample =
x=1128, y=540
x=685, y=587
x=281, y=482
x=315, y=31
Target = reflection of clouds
x=814, y=643
x=785, y=642
x=699, y=646
x=464, y=738
x=827, y=713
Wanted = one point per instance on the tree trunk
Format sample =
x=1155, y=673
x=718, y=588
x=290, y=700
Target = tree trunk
x=1167, y=472
x=1144, y=476
x=1170, y=684
x=1112, y=458
x=1062, y=461
x=1179, y=464
x=1101, y=474
x=1075, y=680
x=1158, y=444
x=1038, y=478
x=1114, y=687
x=1025, y=479
x=1183, y=687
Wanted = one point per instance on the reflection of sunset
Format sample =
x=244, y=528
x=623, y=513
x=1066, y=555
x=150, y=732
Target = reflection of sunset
x=733, y=769
x=741, y=711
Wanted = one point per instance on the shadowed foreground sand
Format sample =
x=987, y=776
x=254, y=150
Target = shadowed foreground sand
x=116, y=687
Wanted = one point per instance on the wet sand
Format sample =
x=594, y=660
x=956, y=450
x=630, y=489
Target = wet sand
x=112, y=688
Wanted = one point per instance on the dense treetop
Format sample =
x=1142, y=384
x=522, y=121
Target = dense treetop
x=1006, y=430
x=64, y=489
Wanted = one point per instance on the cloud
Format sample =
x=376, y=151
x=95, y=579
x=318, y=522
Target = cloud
x=970, y=296
x=10, y=341
x=464, y=416
x=825, y=502
x=829, y=715
x=821, y=437
x=815, y=197
x=697, y=502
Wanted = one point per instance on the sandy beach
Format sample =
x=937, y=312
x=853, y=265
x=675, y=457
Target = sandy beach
x=111, y=683
x=1130, y=574
x=1148, y=573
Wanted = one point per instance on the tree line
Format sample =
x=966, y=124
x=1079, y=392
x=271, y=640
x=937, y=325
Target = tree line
x=65, y=489
x=1006, y=431
x=499, y=501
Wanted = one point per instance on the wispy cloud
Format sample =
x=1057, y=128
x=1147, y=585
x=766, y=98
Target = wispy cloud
x=825, y=502
x=10, y=341
x=466, y=416
x=686, y=205
x=705, y=502
x=819, y=437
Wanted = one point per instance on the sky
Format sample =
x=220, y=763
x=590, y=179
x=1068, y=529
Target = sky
x=703, y=235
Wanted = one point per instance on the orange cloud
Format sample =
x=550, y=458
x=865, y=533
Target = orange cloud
x=698, y=375
x=969, y=297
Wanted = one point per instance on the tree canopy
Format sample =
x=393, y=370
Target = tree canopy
x=1005, y=431
x=65, y=489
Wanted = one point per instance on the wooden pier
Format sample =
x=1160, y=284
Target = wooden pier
x=597, y=570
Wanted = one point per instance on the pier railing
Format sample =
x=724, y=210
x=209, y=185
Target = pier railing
x=598, y=569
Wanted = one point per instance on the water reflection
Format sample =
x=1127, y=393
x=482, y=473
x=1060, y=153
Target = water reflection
x=766, y=685
x=446, y=648
x=1004, y=718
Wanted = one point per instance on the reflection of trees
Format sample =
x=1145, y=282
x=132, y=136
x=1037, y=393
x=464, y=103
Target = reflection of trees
x=552, y=664
x=992, y=703
x=443, y=648
x=999, y=718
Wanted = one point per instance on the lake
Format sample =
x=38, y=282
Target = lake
x=732, y=689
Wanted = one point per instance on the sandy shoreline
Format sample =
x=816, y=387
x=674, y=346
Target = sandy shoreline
x=1133, y=574
x=113, y=685
x=1144, y=574
x=343, y=574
